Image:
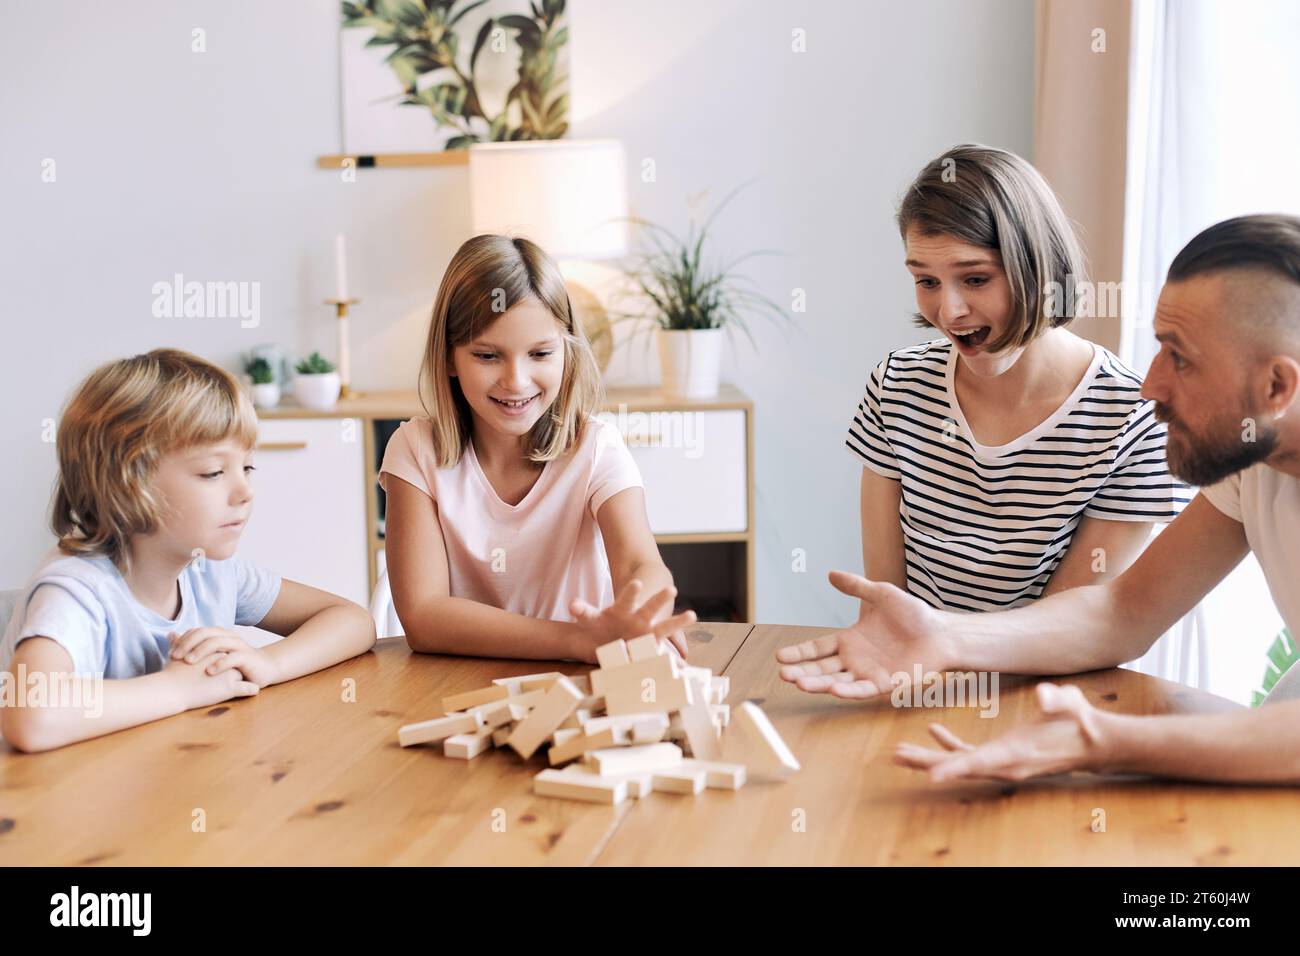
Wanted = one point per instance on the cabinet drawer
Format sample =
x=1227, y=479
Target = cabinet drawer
x=694, y=465
x=309, y=510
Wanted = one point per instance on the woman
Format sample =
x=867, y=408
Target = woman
x=1008, y=458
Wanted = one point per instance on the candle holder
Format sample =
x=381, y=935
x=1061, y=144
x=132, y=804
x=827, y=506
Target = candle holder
x=345, y=370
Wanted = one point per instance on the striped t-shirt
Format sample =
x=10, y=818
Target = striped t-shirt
x=985, y=527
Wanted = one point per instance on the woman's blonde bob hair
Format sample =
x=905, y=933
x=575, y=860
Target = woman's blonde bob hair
x=488, y=276
x=114, y=430
x=994, y=199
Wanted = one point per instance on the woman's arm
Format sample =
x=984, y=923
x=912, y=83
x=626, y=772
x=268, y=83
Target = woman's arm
x=436, y=622
x=98, y=706
x=1100, y=550
x=319, y=629
x=882, y=532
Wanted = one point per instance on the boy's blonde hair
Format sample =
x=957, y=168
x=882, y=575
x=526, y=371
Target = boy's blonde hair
x=120, y=421
x=994, y=199
x=487, y=276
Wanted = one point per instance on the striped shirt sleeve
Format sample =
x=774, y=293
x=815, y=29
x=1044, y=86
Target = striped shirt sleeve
x=867, y=437
x=1139, y=486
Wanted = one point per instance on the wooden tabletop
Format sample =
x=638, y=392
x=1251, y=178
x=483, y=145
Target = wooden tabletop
x=310, y=772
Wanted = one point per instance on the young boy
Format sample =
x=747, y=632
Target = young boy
x=133, y=612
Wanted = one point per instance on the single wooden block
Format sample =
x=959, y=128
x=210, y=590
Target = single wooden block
x=597, y=679
x=428, y=731
x=719, y=688
x=516, y=684
x=643, y=647
x=680, y=779
x=544, y=719
x=633, y=759
x=468, y=746
x=501, y=735
x=564, y=735
x=472, y=698
x=645, y=685
x=539, y=681
x=624, y=721
x=701, y=735
x=579, y=786
x=576, y=746
x=613, y=654
x=718, y=775
x=752, y=740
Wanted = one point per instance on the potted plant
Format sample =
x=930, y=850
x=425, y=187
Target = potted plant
x=692, y=303
x=266, y=393
x=317, y=384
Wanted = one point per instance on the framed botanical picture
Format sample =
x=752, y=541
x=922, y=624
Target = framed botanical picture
x=421, y=76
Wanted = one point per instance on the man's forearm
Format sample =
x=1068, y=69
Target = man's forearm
x=1082, y=629
x=1252, y=745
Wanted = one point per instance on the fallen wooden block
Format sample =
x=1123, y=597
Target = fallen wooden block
x=613, y=654
x=471, y=698
x=718, y=775
x=646, y=685
x=516, y=686
x=752, y=740
x=579, y=786
x=625, y=722
x=574, y=747
x=468, y=746
x=644, y=647
x=680, y=779
x=440, y=728
x=501, y=735
x=544, y=719
x=633, y=759
x=701, y=735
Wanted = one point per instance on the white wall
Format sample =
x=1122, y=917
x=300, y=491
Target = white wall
x=171, y=161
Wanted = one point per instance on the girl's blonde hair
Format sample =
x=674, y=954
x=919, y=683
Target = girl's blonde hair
x=994, y=199
x=114, y=430
x=487, y=276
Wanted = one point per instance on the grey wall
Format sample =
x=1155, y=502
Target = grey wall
x=170, y=161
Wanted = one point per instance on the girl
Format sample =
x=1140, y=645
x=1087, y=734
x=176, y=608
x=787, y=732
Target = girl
x=1008, y=458
x=153, y=492
x=514, y=515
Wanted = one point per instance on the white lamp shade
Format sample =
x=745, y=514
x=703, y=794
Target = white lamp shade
x=568, y=196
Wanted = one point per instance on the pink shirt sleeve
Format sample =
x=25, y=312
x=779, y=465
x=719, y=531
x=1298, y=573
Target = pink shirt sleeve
x=613, y=470
x=403, y=458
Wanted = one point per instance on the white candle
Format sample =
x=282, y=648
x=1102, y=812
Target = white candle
x=341, y=267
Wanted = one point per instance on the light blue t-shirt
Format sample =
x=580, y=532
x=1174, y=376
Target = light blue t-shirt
x=86, y=606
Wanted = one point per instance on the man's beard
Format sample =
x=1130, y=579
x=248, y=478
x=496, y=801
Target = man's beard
x=1202, y=461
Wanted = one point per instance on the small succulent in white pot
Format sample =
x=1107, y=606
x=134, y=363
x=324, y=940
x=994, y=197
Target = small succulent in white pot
x=266, y=393
x=317, y=383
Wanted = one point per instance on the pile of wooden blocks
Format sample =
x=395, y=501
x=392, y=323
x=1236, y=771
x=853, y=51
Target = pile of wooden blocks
x=643, y=721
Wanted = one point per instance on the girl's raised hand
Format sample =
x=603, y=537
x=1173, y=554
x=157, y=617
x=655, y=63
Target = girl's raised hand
x=627, y=618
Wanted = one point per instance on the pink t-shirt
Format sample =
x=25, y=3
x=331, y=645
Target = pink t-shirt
x=535, y=557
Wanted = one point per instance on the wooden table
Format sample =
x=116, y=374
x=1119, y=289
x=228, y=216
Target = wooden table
x=310, y=773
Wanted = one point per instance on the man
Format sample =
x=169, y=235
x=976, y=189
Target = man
x=1226, y=379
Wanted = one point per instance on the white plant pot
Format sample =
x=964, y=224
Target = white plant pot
x=689, y=360
x=266, y=395
x=319, y=391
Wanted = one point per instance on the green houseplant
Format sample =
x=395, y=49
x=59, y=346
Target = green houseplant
x=692, y=301
x=266, y=393
x=425, y=56
x=317, y=383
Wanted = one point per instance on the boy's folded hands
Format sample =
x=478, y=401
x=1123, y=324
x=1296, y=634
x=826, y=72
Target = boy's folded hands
x=218, y=650
x=627, y=618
